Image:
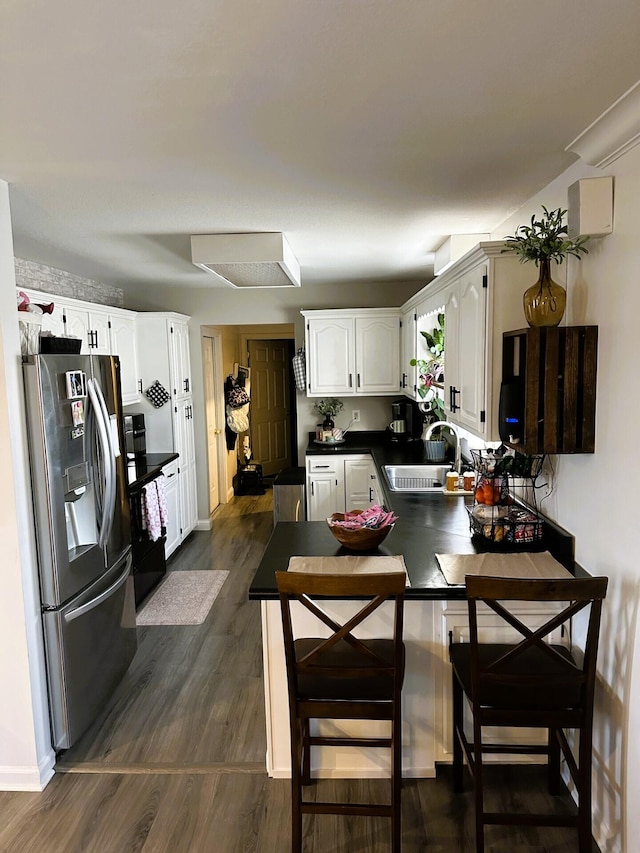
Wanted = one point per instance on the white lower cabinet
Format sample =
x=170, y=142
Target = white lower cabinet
x=452, y=626
x=325, y=487
x=340, y=482
x=360, y=482
x=170, y=472
x=186, y=466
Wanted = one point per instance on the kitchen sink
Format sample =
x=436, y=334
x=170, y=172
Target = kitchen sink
x=416, y=478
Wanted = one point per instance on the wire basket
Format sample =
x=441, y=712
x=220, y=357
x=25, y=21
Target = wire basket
x=507, y=526
x=518, y=465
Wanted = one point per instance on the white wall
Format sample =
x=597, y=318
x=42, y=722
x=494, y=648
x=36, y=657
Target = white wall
x=26, y=758
x=217, y=306
x=604, y=289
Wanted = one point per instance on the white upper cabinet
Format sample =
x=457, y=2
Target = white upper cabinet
x=465, y=328
x=124, y=345
x=378, y=354
x=331, y=356
x=180, y=359
x=91, y=325
x=407, y=352
x=481, y=295
x=352, y=352
x=103, y=330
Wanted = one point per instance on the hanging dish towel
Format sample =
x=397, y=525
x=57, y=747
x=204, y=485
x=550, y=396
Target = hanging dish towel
x=151, y=511
x=162, y=499
x=157, y=394
x=299, y=370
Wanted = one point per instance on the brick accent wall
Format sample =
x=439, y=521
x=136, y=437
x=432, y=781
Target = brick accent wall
x=33, y=276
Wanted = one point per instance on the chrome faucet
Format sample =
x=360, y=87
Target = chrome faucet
x=454, y=430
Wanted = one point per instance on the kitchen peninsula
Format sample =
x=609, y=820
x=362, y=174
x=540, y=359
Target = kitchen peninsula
x=428, y=524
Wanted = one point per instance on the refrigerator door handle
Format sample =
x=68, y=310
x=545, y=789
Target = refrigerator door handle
x=97, y=601
x=111, y=503
x=105, y=443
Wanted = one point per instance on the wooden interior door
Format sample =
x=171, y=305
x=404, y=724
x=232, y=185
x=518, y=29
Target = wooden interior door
x=270, y=414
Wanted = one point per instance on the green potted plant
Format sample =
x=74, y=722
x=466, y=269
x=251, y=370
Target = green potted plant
x=329, y=408
x=543, y=241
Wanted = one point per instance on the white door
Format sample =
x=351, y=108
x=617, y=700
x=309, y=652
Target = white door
x=451, y=379
x=213, y=421
x=100, y=331
x=471, y=351
x=170, y=472
x=324, y=496
x=123, y=344
x=180, y=359
x=407, y=352
x=76, y=325
x=187, y=480
x=359, y=483
x=378, y=354
x=331, y=355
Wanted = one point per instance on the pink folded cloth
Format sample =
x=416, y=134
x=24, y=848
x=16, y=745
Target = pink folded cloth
x=154, y=508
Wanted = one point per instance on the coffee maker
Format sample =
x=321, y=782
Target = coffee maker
x=406, y=423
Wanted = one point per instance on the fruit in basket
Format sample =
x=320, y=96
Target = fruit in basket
x=495, y=532
x=488, y=492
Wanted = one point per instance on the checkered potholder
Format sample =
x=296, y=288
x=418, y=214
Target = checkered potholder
x=157, y=394
x=299, y=370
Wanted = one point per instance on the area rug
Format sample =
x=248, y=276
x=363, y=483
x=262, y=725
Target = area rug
x=183, y=598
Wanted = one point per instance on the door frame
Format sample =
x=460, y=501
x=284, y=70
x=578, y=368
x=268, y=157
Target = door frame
x=217, y=385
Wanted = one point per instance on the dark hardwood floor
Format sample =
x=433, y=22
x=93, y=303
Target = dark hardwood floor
x=176, y=762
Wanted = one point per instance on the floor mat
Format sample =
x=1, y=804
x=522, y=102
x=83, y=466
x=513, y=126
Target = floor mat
x=183, y=598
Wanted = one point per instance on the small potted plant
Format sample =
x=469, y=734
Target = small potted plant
x=329, y=407
x=543, y=241
x=435, y=446
x=431, y=369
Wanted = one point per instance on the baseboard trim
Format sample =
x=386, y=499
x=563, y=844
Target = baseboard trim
x=28, y=778
x=356, y=773
x=203, y=525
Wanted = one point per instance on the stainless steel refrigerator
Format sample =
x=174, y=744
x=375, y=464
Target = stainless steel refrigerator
x=78, y=474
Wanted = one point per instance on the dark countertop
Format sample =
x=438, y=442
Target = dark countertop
x=141, y=471
x=428, y=523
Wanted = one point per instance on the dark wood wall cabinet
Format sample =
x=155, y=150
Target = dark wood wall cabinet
x=548, y=395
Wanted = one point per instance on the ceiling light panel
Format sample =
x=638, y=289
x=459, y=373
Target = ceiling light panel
x=247, y=260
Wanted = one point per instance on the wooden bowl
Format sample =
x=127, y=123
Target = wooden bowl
x=365, y=539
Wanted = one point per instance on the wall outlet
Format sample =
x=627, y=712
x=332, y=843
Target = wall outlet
x=355, y=416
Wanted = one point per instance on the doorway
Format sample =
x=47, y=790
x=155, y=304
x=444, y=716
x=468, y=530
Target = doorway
x=214, y=417
x=273, y=404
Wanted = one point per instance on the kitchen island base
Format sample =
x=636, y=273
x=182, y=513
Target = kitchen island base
x=426, y=699
x=418, y=735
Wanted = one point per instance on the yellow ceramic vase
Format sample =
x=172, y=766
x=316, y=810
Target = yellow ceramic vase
x=545, y=301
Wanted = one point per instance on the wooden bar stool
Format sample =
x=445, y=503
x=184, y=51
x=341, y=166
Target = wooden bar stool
x=532, y=683
x=341, y=677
